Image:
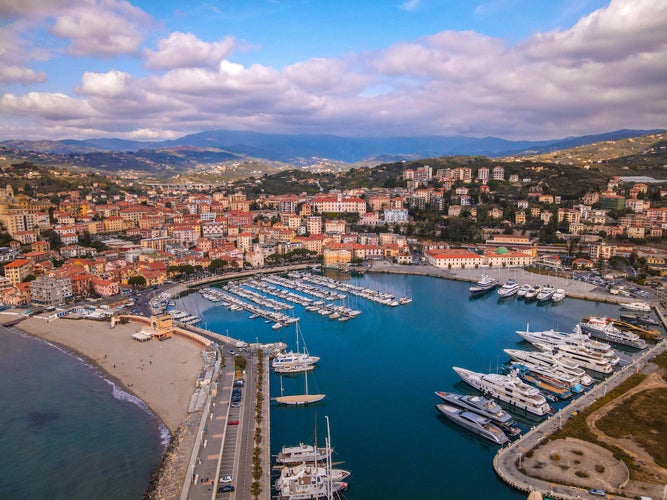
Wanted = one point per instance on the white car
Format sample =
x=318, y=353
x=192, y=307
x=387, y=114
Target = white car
x=226, y=479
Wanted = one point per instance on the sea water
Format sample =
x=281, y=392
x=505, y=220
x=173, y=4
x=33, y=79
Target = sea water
x=380, y=370
x=66, y=432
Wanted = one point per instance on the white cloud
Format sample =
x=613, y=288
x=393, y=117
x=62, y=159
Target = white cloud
x=409, y=5
x=622, y=29
x=21, y=74
x=185, y=50
x=101, y=28
x=608, y=71
x=111, y=84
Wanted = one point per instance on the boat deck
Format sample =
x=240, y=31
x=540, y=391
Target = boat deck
x=300, y=399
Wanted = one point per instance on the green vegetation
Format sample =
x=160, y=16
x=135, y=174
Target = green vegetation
x=644, y=417
x=576, y=427
x=255, y=487
x=240, y=362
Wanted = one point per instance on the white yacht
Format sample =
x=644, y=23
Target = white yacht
x=576, y=338
x=510, y=288
x=474, y=422
x=553, y=360
x=558, y=295
x=308, y=483
x=604, y=329
x=533, y=292
x=523, y=290
x=288, y=474
x=293, y=358
x=637, y=306
x=302, y=453
x=581, y=355
x=546, y=293
x=507, y=388
x=484, y=285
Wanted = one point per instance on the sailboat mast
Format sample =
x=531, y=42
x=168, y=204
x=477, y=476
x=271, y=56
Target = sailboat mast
x=328, y=461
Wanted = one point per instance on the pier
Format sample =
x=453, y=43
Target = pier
x=506, y=463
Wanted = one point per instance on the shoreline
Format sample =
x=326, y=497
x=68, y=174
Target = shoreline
x=160, y=377
x=107, y=377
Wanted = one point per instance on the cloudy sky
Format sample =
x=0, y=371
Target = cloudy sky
x=156, y=69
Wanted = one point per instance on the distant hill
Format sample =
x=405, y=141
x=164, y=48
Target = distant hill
x=612, y=146
x=230, y=155
x=309, y=149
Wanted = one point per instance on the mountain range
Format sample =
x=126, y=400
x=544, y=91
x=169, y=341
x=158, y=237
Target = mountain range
x=223, y=145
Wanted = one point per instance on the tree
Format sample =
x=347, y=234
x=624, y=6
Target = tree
x=53, y=238
x=137, y=281
x=217, y=265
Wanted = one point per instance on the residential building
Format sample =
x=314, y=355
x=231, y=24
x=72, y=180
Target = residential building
x=49, y=291
x=18, y=270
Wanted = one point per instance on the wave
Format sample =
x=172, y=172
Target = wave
x=117, y=392
x=123, y=395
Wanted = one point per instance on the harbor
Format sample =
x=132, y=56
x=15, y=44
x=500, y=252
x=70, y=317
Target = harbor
x=441, y=328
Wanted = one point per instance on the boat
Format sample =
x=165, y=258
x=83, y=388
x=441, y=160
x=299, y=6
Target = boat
x=638, y=319
x=404, y=300
x=636, y=306
x=308, y=482
x=576, y=339
x=546, y=293
x=306, y=474
x=523, y=290
x=507, y=388
x=295, y=361
x=639, y=327
x=483, y=406
x=277, y=325
x=553, y=375
x=299, y=399
x=543, y=382
x=302, y=453
x=533, y=292
x=478, y=424
x=484, y=285
x=604, y=329
x=581, y=355
x=508, y=289
x=558, y=296
x=556, y=362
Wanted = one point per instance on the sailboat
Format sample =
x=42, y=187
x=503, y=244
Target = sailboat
x=299, y=399
x=312, y=481
x=295, y=362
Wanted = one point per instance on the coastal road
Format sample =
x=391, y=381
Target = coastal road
x=213, y=434
x=245, y=445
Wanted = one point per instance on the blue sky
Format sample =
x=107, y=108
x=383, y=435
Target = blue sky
x=158, y=69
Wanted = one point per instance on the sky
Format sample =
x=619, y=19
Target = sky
x=160, y=69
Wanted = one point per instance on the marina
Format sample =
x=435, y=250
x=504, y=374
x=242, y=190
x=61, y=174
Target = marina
x=474, y=334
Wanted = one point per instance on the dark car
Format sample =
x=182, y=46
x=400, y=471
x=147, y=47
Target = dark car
x=226, y=488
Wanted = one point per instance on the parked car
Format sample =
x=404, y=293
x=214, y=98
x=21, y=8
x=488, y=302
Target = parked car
x=226, y=488
x=226, y=479
x=233, y=422
x=600, y=493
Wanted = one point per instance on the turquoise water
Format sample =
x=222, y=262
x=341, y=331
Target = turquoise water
x=380, y=370
x=67, y=433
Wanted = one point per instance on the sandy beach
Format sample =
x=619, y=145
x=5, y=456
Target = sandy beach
x=162, y=374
